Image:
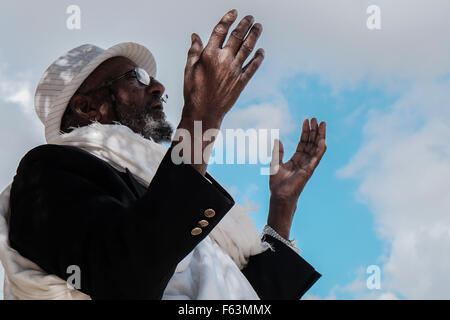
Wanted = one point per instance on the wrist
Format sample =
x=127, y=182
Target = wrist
x=281, y=213
x=281, y=228
x=190, y=135
x=209, y=120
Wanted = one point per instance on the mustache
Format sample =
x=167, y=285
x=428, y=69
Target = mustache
x=157, y=102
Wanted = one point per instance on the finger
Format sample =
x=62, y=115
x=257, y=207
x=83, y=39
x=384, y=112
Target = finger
x=322, y=131
x=277, y=153
x=220, y=31
x=320, y=140
x=238, y=34
x=250, y=68
x=195, y=50
x=314, y=131
x=249, y=43
x=321, y=148
x=304, y=138
x=312, y=136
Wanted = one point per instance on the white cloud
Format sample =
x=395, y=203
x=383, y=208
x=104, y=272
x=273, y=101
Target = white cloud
x=311, y=297
x=404, y=168
x=409, y=197
x=323, y=37
x=357, y=289
x=17, y=92
x=247, y=134
x=387, y=296
x=266, y=115
x=23, y=98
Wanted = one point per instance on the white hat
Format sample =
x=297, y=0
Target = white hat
x=64, y=76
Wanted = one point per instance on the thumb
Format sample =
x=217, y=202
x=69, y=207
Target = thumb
x=277, y=155
x=195, y=50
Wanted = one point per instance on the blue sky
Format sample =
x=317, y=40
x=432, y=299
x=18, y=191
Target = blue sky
x=380, y=196
x=334, y=231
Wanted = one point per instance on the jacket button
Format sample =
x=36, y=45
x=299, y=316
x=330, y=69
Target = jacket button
x=209, y=213
x=196, y=231
x=203, y=223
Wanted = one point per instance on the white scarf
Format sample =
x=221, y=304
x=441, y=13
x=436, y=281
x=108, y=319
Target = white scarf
x=227, y=248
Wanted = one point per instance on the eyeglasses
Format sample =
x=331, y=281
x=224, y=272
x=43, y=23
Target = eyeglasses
x=140, y=74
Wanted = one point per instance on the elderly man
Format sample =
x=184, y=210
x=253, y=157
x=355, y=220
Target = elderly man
x=103, y=212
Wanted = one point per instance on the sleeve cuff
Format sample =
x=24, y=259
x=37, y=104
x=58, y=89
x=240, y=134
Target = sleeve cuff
x=279, y=273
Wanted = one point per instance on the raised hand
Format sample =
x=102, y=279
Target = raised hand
x=290, y=178
x=215, y=76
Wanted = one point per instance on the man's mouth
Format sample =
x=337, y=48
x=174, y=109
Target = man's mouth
x=156, y=110
x=156, y=106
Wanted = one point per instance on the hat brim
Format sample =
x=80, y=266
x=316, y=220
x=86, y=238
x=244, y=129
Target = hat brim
x=137, y=53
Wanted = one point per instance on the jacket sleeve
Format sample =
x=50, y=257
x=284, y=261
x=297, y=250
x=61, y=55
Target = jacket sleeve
x=279, y=272
x=70, y=208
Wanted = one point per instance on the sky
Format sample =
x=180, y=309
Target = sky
x=381, y=194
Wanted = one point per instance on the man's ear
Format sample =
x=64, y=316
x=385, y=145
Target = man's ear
x=84, y=107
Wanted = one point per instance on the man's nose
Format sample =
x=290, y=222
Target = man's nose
x=156, y=88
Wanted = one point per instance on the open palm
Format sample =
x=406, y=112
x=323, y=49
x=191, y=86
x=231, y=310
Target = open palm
x=288, y=179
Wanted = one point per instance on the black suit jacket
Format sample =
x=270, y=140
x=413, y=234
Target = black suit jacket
x=69, y=207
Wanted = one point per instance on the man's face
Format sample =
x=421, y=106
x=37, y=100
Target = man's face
x=128, y=101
